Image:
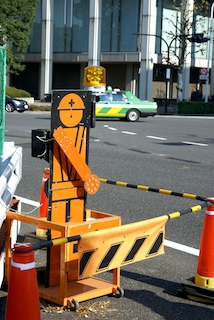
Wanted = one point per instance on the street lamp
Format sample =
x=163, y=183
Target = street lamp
x=209, y=51
x=168, y=70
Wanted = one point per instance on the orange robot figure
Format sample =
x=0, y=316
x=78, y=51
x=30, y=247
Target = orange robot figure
x=69, y=168
x=71, y=178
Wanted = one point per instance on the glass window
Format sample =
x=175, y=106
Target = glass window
x=168, y=25
x=104, y=97
x=109, y=25
x=119, y=97
x=199, y=50
x=59, y=32
x=200, y=25
x=71, y=19
x=35, y=38
x=129, y=25
x=120, y=19
x=80, y=25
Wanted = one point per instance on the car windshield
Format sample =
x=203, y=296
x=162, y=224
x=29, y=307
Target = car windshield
x=119, y=96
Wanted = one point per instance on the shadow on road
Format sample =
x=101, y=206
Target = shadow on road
x=167, y=307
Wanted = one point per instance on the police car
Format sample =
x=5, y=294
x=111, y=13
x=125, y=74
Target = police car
x=123, y=104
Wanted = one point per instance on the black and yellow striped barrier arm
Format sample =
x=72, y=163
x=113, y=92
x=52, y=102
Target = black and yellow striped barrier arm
x=55, y=242
x=146, y=188
x=59, y=241
x=177, y=214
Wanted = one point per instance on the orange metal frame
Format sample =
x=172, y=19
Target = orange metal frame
x=68, y=289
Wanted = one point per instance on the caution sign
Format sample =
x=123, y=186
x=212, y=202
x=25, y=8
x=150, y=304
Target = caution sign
x=112, y=248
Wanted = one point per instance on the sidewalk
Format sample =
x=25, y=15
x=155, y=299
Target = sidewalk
x=40, y=106
x=46, y=106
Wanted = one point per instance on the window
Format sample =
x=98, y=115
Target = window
x=80, y=25
x=71, y=19
x=120, y=20
x=104, y=97
x=35, y=38
x=119, y=97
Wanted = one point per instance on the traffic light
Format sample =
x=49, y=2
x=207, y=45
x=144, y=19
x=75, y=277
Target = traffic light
x=198, y=38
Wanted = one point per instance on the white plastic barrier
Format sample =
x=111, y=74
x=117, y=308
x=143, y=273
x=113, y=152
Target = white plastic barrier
x=10, y=175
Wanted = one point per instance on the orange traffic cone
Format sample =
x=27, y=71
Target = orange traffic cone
x=43, y=209
x=23, y=295
x=205, y=271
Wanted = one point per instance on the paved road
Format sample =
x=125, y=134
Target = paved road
x=171, y=152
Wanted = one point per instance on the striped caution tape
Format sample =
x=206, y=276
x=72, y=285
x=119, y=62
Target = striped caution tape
x=55, y=242
x=146, y=188
x=177, y=214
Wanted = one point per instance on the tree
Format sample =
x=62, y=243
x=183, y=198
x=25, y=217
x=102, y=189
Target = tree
x=16, y=19
x=183, y=26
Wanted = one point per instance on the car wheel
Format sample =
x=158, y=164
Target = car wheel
x=133, y=115
x=9, y=107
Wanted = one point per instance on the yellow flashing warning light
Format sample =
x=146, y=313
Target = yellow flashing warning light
x=71, y=101
x=94, y=76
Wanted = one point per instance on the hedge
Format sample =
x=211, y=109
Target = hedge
x=193, y=107
x=17, y=93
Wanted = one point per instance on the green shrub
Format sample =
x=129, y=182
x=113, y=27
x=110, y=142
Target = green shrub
x=199, y=107
x=17, y=93
x=40, y=108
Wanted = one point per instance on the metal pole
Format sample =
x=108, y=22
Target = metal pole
x=209, y=49
x=94, y=33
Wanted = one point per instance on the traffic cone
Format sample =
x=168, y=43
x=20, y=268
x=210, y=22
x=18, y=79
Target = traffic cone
x=205, y=271
x=43, y=209
x=23, y=295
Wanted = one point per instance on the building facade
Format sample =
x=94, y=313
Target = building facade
x=129, y=38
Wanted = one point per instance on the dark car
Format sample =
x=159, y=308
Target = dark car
x=15, y=104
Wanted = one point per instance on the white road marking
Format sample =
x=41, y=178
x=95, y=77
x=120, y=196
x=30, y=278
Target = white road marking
x=159, y=154
x=158, y=138
x=110, y=128
x=28, y=201
x=128, y=132
x=195, y=143
x=181, y=247
x=113, y=129
x=154, y=137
